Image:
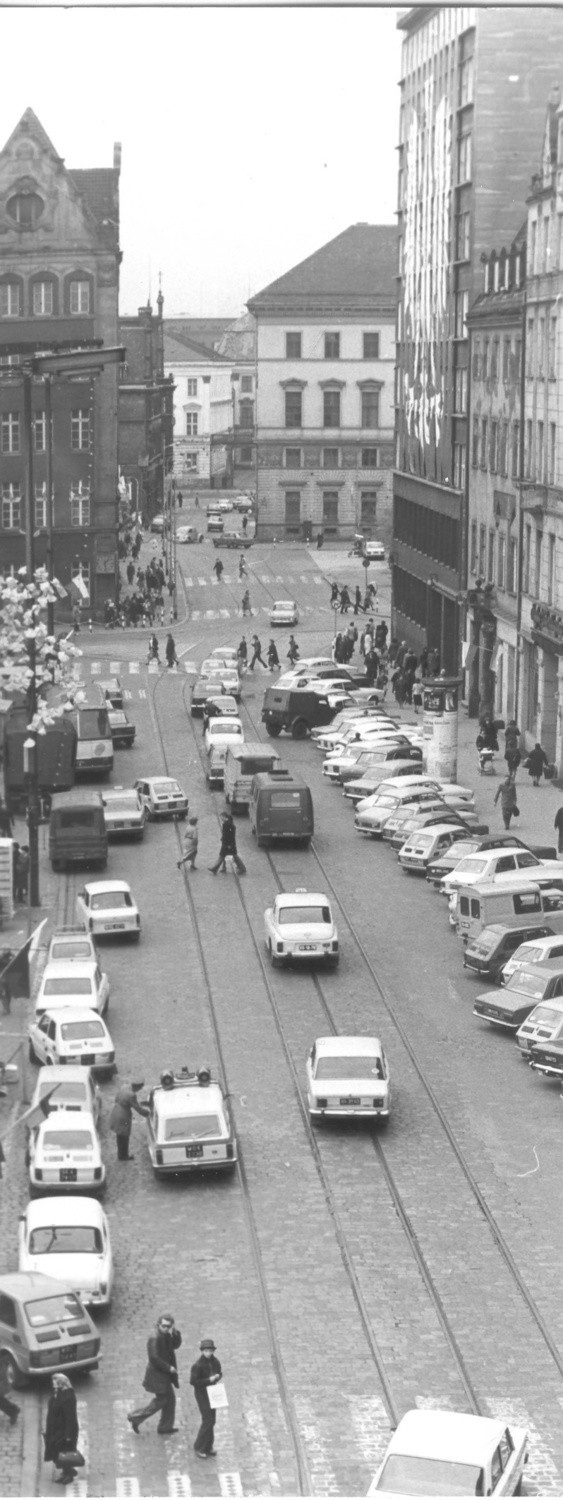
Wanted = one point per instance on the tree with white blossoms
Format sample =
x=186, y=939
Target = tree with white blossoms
x=41, y=667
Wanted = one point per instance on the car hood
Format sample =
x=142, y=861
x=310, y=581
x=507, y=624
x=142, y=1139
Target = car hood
x=84, y=1272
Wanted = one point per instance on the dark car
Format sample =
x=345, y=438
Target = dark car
x=200, y=693
x=232, y=539
x=510, y=1006
x=487, y=954
x=547, y=1058
x=122, y=730
x=295, y=711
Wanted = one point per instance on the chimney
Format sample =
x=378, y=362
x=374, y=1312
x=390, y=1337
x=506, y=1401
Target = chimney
x=117, y=156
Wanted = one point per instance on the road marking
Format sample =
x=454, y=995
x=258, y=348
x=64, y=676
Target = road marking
x=230, y=1484
x=323, y=1478
x=133, y=667
x=225, y=614
x=127, y=694
x=265, y=578
x=96, y=668
x=279, y=578
x=126, y=1487
x=154, y=666
x=142, y=692
x=202, y=582
x=196, y=614
x=211, y=614
x=178, y=1484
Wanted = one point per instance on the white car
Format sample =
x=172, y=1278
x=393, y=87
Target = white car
x=491, y=863
x=187, y=534
x=300, y=925
x=69, y=944
x=162, y=797
x=375, y=551
x=77, y=1036
x=461, y=798
x=65, y=1156
x=69, y=1087
x=535, y=951
x=124, y=812
x=435, y=1452
x=108, y=908
x=68, y=1238
x=347, y=1077
x=284, y=612
x=225, y=654
x=223, y=731
x=70, y=983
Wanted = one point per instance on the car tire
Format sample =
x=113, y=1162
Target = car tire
x=135, y=937
x=33, y=1058
x=334, y=962
x=300, y=729
x=273, y=730
x=274, y=960
x=14, y=1376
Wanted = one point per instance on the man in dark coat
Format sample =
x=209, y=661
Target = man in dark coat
x=228, y=846
x=6, y=821
x=121, y=1118
x=61, y=1428
x=161, y=1377
x=8, y=1407
x=205, y=1372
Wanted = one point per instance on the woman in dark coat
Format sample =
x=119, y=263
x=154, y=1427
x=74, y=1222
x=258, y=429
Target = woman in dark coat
x=536, y=763
x=61, y=1430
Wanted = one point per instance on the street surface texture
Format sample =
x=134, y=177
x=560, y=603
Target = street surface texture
x=345, y=1275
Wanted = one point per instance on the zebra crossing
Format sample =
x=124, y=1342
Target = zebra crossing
x=266, y=578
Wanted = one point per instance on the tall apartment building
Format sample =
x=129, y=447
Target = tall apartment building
x=59, y=280
x=146, y=410
x=325, y=349
x=473, y=90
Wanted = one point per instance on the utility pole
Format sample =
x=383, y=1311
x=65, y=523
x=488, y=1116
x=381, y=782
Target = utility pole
x=49, y=507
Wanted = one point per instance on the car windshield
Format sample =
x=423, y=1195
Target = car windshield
x=76, y=1031
x=58, y=1309
x=349, y=1067
x=166, y=789
x=67, y=987
x=406, y=1475
x=470, y=866
x=62, y=1093
x=545, y=1015
x=294, y=915
x=65, y=1239
x=193, y=1127
x=109, y=900
x=77, y=948
x=67, y=1140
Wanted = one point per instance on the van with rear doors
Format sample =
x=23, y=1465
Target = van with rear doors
x=77, y=830
x=242, y=764
x=281, y=808
x=521, y=905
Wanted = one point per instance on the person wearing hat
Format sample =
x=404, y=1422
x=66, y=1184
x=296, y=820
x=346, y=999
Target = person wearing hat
x=61, y=1429
x=121, y=1118
x=205, y=1372
x=161, y=1377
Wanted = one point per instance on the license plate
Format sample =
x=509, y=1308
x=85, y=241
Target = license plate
x=493, y=1013
x=120, y=825
x=88, y=1058
x=67, y=1174
x=307, y=948
x=66, y=1355
x=195, y=1150
x=115, y=926
x=352, y=1099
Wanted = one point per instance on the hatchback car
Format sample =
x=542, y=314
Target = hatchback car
x=189, y=1126
x=544, y=1024
x=73, y=982
x=300, y=925
x=122, y=730
x=69, y=1238
x=492, y=951
x=215, y=773
x=223, y=732
x=421, y=846
x=512, y=1005
x=375, y=551
x=44, y=1327
x=536, y=950
x=284, y=612
x=70, y=943
x=69, y=1087
x=347, y=1078
x=162, y=797
x=124, y=813
x=435, y=1452
x=64, y=1155
x=73, y=1036
x=108, y=908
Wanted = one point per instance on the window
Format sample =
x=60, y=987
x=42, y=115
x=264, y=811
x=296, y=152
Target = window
x=293, y=347
x=332, y=346
x=476, y=359
x=551, y=569
x=473, y=551
x=503, y=453
x=493, y=457
x=246, y=414
x=371, y=345
x=293, y=402
x=482, y=549
x=526, y=558
x=293, y=458
x=192, y=387
x=80, y=428
x=466, y=81
x=25, y=209
x=10, y=432
x=528, y=450
x=191, y=462
x=331, y=408
x=512, y=573
x=533, y=238
x=491, y=556
x=11, y=507
x=541, y=348
x=370, y=408
x=459, y=465
x=330, y=510
x=40, y=506
x=245, y=455
x=460, y=314
x=552, y=452
x=537, y=569
x=484, y=432
x=518, y=359
x=460, y=391
x=530, y=347
x=79, y=507
x=8, y=1312
x=475, y=443
x=369, y=458
x=495, y=350
x=486, y=347
x=552, y=346
x=192, y=419
x=80, y=296
x=501, y=560
x=539, y=453
x=506, y=359
x=39, y=431
x=515, y=466
x=331, y=458
x=368, y=508
x=462, y=235
x=42, y=298
x=464, y=157
x=246, y=383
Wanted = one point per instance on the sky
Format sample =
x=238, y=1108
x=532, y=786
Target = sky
x=250, y=137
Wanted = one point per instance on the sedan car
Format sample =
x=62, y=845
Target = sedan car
x=219, y=706
x=75, y=1036
x=71, y=943
x=186, y=534
x=232, y=539
x=510, y=1006
x=300, y=925
x=347, y=1078
x=73, y=982
x=107, y=907
x=284, y=612
x=162, y=796
x=68, y=1238
x=65, y=1156
x=124, y=813
x=69, y=1087
x=375, y=551
x=535, y=951
x=122, y=730
x=223, y=732
x=435, y=1452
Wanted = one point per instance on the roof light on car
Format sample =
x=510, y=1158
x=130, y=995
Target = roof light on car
x=204, y=1076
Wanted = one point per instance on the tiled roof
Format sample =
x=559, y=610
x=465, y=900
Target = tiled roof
x=184, y=351
x=99, y=186
x=358, y=265
x=205, y=331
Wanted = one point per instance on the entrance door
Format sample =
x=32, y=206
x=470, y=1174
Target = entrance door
x=292, y=513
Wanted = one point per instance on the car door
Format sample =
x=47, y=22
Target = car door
x=102, y=987
x=41, y=1039
x=503, y=863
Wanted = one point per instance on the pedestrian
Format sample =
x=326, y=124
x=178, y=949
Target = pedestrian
x=121, y=1118
x=242, y=654
x=205, y=1372
x=511, y=747
x=417, y=694
x=191, y=841
x=367, y=641
x=196, y=500
x=345, y=600
x=180, y=499
x=256, y=653
x=218, y=568
x=536, y=763
x=21, y=873
x=487, y=738
x=160, y=1378
x=245, y=524
x=61, y=1429
x=130, y=572
x=5, y=1002
x=76, y=619
x=337, y=652
x=558, y=824
x=401, y=653
x=508, y=804
x=273, y=658
x=334, y=594
x=228, y=847
x=153, y=649
x=6, y=821
x=358, y=600
x=170, y=648
x=8, y=1407
x=293, y=651
x=241, y=567
x=246, y=606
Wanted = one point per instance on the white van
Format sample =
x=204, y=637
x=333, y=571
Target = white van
x=242, y=763
x=516, y=905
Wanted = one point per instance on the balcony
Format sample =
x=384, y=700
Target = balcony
x=547, y=624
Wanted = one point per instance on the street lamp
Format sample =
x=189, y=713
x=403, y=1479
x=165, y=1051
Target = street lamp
x=30, y=774
x=235, y=377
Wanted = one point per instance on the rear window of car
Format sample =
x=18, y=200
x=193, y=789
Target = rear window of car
x=544, y=1015
x=63, y=1093
x=194, y=1127
x=62, y=1239
x=76, y=1031
x=110, y=900
x=349, y=1067
x=67, y=987
x=288, y=915
x=74, y=949
x=68, y=1140
x=286, y=799
x=45, y=1310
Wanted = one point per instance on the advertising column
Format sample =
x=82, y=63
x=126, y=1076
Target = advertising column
x=440, y=726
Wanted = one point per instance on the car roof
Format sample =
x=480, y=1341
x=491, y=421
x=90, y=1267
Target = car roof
x=60, y=1073
x=62, y=1014
x=97, y=886
x=348, y=1046
x=72, y=966
x=73, y=1119
x=189, y=1098
x=19, y=1284
x=116, y=793
x=301, y=898
x=432, y=829
x=46, y=1211
x=457, y=1437
x=549, y=966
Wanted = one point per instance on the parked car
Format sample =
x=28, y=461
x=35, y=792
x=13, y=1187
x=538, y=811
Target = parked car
x=108, y=908
x=375, y=551
x=69, y=1238
x=44, y=1327
x=544, y=1024
x=69, y=1086
x=421, y=846
x=347, y=1078
x=215, y=773
x=73, y=982
x=78, y=1036
x=300, y=925
x=537, y=948
x=157, y=524
x=223, y=732
x=510, y=1006
x=492, y=952
x=124, y=812
x=64, y=1155
x=122, y=730
x=284, y=612
x=189, y=1125
x=435, y=1452
x=69, y=943
x=162, y=797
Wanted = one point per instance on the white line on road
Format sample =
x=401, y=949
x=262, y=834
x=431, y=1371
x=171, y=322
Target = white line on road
x=126, y=1487
x=323, y=1478
x=178, y=1485
x=133, y=667
x=230, y=1484
x=96, y=668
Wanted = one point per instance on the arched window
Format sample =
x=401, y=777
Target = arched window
x=25, y=208
x=43, y=295
x=11, y=296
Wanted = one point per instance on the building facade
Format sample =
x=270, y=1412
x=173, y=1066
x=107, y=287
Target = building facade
x=146, y=412
x=466, y=153
x=325, y=351
x=202, y=404
x=59, y=281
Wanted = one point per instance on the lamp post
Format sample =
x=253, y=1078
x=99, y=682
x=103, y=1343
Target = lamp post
x=30, y=774
x=234, y=382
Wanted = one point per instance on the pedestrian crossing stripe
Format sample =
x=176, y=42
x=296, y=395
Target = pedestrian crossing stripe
x=133, y=667
x=96, y=668
x=142, y=692
x=230, y=1484
x=127, y=1488
x=178, y=1485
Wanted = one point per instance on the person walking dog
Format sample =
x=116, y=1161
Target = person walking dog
x=160, y=1378
x=205, y=1372
x=121, y=1118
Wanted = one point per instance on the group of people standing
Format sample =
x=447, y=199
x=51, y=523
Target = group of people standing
x=340, y=599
